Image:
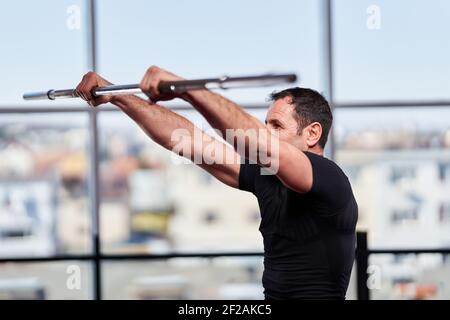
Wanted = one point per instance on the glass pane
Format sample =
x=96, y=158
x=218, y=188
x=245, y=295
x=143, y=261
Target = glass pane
x=184, y=278
x=150, y=203
x=351, y=293
x=67, y=280
x=398, y=161
x=43, y=47
x=43, y=184
x=391, y=50
x=409, y=277
x=212, y=39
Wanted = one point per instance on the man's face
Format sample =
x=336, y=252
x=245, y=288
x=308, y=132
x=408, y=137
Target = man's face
x=281, y=122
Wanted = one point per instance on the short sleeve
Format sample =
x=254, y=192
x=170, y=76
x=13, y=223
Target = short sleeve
x=331, y=187
x=247, y=176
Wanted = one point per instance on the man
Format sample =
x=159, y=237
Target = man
x=307, y=205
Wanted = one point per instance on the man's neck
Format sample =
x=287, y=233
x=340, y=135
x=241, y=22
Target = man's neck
x=316, y=150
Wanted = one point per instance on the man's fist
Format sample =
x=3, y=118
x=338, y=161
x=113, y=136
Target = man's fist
x=151, y=80
x=90, y=81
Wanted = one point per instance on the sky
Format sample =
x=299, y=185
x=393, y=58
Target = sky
x=405, y=57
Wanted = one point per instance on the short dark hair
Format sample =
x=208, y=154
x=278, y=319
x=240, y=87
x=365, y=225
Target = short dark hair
x=310, y=106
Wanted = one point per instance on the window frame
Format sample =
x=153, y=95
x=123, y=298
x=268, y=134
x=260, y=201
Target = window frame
x=96, y=257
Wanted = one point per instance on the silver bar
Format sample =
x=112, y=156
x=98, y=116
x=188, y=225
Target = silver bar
x=36, y=96
x=51, y=94
x=173, y=86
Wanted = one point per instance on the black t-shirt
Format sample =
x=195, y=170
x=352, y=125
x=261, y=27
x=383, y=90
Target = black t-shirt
x=309, y=238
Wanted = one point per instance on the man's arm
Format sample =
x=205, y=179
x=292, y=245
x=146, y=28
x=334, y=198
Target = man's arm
x=171, y=131
x=291, y=165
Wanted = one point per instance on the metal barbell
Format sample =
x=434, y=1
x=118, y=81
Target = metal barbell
x=172, y=87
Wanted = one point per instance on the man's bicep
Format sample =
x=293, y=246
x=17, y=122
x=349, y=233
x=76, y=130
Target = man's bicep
x=226, y=173
x=217, y=158
x=236, y=175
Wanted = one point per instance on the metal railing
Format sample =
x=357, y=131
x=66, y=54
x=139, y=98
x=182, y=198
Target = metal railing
x=96, y=258
x=363, y=254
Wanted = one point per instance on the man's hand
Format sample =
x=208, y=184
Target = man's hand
x=151, y=80
x=90, y=81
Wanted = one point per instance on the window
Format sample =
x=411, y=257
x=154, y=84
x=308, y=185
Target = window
x=181, y=278
x=44, y=207
x=400, y=216
x=399, y=174
x=413, y=277
x=396, y=156
x=148, y=199
x=397, y=152
x=444, y=212
x=210, y=217
x=391, y=50
x=44, y=45
x=59, y=280
x=212, y=39
x=444, y=172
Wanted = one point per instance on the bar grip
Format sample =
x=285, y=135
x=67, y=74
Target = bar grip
x=166, y=87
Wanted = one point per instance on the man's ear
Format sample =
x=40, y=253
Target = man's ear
x=313, y=133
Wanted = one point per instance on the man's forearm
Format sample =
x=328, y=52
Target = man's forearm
x=158, y=122
x=249, y=137
x=220, y=112
x=173, y=131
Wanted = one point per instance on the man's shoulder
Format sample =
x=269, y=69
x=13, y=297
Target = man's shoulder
x=320, y=162
x=331, y=187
